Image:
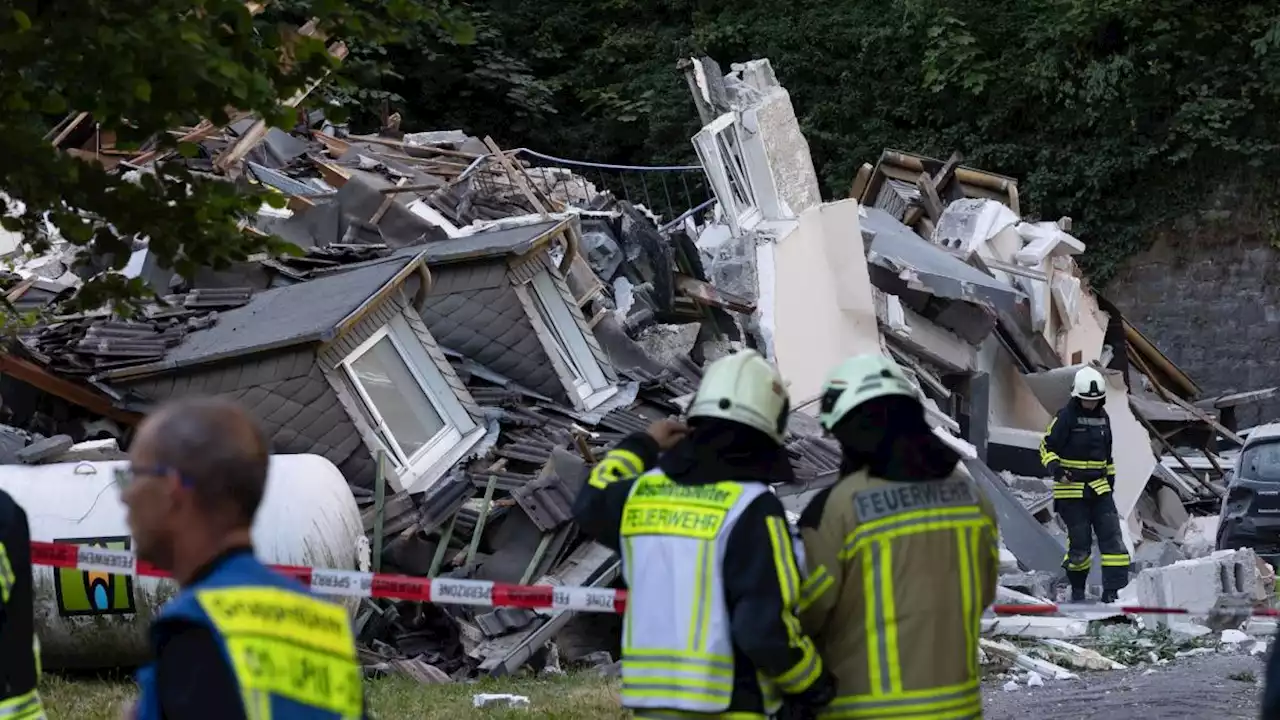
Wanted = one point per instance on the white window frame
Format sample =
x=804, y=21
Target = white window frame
x=720, y=149
x=589, y=382
x=432, y=384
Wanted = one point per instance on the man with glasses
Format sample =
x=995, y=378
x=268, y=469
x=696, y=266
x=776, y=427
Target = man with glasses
x=239, y=640
x=19, y=650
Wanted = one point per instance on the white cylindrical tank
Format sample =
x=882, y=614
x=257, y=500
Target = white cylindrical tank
x=86, y=620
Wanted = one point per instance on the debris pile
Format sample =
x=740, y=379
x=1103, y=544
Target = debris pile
x=463, y=334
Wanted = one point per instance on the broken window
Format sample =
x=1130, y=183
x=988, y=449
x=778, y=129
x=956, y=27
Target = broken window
x=411, y=407
x=719, y=147
x=568, y=339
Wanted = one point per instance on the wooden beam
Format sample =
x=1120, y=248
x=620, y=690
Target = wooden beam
x=517, y=176
x=72, y=392
x=1137, y=413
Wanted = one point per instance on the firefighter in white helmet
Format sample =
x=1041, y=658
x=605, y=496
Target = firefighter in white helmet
x=902, y=555
x=711, y=629
x=1076, y=450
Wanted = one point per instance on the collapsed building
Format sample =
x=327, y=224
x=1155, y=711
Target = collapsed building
x=466, y=330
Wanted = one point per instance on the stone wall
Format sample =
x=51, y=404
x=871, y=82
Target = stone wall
x=1207, y=293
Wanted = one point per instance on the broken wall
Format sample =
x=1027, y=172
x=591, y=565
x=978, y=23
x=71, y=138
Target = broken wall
x=771, y=118
x=1012, y=402
x=815, y=279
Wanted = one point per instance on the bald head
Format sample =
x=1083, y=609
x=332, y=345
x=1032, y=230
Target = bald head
x=216, y=448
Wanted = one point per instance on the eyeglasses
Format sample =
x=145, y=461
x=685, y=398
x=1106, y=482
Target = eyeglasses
x=129, y=474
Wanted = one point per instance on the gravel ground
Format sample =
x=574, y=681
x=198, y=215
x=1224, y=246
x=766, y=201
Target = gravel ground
x=1207, y=686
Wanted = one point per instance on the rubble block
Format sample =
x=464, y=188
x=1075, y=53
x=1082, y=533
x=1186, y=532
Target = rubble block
x=1034, y=583
x=1035, y=626
x=1156, y=554
x=1197, y=584
x=1199, y=536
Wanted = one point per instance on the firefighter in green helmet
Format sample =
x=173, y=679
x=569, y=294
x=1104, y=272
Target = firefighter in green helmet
x=902, y=554
x=710, y=629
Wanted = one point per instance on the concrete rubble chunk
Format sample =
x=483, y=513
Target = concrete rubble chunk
x=45, y=449
x=1156, y=554
x=1199, y=584
x=1033, y=626
x=1035, y=584
x=1078, y=657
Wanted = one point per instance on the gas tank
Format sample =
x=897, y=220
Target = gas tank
x=88, y=620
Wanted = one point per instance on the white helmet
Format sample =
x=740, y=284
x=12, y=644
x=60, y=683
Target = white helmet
x=745, y=388
x=857, y=380
x=1089, y=384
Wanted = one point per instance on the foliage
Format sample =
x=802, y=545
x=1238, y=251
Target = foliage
x=141, y=69
x=1118, y=113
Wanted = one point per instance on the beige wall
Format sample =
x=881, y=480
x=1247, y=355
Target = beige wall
x=821, y=305
x=1013, y=404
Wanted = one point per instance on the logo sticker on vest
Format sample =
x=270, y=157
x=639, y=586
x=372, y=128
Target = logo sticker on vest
x=93, y=592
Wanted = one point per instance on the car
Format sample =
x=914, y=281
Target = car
x=1250, y=514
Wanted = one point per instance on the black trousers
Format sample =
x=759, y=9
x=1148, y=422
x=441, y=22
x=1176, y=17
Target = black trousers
x=1086, y=517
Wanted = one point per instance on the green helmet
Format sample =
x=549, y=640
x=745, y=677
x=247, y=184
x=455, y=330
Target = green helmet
x=745, y=388
x=857, y=380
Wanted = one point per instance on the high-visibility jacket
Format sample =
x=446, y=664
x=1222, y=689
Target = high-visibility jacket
x=292, y=654
x=899, y=574
x=1079, y=441
x=710, y=627
x=19, y=646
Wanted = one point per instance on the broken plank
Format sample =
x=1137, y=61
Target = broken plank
x=517, y=176
x=708, y=294
x=929, y=199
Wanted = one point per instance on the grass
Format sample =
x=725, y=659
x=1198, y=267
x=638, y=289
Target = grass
x=574, y=697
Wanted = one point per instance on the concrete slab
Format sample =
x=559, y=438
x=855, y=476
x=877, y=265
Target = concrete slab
x=1197, y=584
x=1035, y=626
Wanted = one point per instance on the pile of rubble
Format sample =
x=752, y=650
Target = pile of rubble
x=524, y=319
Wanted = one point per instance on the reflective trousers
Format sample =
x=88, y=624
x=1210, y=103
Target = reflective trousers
x=1085, y=517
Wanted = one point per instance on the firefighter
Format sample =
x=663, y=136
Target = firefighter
x=1076, y=450
x=238, y=641
x=710, y=629
x=902, y=555
x=19, y=646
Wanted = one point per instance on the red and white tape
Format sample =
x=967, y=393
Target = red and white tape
x=482, y=593
x=351, y=583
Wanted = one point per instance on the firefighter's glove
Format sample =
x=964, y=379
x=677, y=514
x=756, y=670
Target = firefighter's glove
x=806, y=705
x=1061, y=475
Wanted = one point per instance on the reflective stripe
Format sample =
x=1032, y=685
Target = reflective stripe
x=1116, y=560
x=1111, y=468
x=807, y=670
x=23, y=707
x=617, y=464
x=1100, y=486
x=942, y=703
x=968, y=587
x=1046, y=455
x=1080, y=566
x=701, y=598
x=706, y=681
x=1084, y=464
x=1068, y=491
x=815, y=586
x=910, y=523
x=7, y=577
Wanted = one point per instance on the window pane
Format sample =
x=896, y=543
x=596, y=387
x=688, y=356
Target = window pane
x=397, y=396
x=561, y=344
